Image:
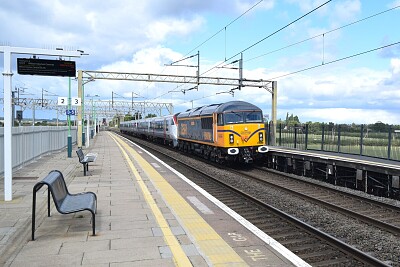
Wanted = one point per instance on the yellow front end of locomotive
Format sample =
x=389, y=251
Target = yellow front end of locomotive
x=241, y=135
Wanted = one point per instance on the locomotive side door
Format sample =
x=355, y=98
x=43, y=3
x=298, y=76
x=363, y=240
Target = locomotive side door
x=215, y=130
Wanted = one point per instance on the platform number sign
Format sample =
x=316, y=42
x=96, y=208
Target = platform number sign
x=62, y=101
x=75, y=101
x=70, y=112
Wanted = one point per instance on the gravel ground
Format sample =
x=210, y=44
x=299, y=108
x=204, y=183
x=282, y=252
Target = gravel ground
x=382, y=245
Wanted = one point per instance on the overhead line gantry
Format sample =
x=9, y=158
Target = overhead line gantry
x=270, y=86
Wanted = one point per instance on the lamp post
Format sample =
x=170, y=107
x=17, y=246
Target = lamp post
x=83, y=110
x=88, y=119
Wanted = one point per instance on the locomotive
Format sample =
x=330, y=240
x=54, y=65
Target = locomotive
x=229, y=132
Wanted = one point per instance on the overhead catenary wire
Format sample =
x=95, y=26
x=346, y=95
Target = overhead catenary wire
x=284, y=27
x=256, y=43
x=334, y=61
x=313, y=67
x=322, y=34
x=208, y=39
x=268, y=36
x=224, y=28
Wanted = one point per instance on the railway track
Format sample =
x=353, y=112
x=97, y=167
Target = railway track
x=381, y=215
x=312, y=245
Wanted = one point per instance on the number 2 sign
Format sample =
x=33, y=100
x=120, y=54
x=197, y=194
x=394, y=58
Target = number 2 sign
x=62, y=101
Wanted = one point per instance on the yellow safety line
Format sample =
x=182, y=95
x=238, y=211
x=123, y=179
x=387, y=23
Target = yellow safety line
x=179, y=256
x=218, y=252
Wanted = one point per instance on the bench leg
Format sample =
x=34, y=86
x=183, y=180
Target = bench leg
x=33, y=214
x=84, y=169
x=94, y=223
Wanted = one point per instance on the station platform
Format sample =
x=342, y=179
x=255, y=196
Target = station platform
x=376, y=176
x=148, y=214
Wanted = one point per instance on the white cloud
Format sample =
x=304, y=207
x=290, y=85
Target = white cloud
x=111, y=31
x=395, y=64
x=347, y=115
x=143, y=36
x=346, y=11
x=160, y=30
x=307, y=5
x=395, y=4
x=244, y=5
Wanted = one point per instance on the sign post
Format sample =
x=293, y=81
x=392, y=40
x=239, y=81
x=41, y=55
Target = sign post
x=69, y=101
x=7, y=73
x=69, y=138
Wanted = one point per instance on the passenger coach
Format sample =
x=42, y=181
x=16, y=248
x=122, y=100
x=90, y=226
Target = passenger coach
x=159, y=129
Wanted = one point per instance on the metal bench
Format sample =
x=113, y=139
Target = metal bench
x=84, y=160
x=65, y=202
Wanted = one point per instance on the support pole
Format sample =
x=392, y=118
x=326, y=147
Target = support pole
x=241, y=71
x=33, y=114
x=80, y=118
x=83, y=115
x=88, y=131
x=7, y=126
x=274, y=112
x=69, y=138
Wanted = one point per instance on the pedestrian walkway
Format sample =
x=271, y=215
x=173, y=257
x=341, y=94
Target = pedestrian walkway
x=141, y=219
x=15, y=219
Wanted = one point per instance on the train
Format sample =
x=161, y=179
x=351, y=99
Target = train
x=228, y=132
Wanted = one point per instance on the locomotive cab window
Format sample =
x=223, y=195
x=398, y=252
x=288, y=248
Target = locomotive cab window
x=233, y=117
x=253, y=116
x=220, y=119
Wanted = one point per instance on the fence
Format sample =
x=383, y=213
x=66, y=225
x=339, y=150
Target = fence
x=31, y=142
x=382, y=141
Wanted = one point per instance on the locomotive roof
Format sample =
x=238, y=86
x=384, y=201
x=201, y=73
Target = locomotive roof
x=236, y=105
x=219, y=108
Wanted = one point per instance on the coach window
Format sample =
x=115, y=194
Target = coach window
x=220, y=120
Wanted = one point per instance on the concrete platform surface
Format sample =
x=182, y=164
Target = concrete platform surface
x=147, y=215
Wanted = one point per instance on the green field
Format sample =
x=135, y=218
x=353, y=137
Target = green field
x=345, y=139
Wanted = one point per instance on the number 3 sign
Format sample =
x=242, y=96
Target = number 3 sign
x=76, y=101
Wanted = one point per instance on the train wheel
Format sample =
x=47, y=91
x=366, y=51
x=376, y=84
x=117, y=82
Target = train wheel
x=220, y=158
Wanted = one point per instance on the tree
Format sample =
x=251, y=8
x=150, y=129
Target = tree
x=151, y=115
x=128, y=117
x=379, y=127
x=292, y=120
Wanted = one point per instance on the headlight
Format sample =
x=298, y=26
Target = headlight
x=231, y=139
x=260, y=137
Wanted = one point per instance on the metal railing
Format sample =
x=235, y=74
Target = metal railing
x=31, y=142
x=365, y=140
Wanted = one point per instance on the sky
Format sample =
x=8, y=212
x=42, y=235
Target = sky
x=328, y=63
